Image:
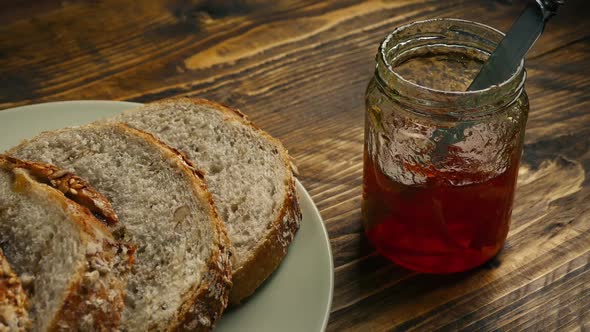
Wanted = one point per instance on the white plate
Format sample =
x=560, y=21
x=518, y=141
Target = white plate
x=297, y=297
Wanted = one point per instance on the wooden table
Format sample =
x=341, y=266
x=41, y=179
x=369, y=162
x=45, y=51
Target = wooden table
x=299, y=69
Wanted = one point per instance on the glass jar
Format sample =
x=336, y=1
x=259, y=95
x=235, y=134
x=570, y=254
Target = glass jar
x=440, y=163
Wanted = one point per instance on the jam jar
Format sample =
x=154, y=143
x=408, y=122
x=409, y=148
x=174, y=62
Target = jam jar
x=440, y=162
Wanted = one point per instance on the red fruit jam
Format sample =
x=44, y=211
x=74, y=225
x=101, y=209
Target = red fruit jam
x=437, y=227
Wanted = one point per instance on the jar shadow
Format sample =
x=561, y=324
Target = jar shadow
x=376, y=278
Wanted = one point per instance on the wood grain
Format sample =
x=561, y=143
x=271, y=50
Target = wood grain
x=299, y=69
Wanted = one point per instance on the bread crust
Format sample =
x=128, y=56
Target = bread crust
x=95, y=298
x=272, y=249
x=72, y=186
x=14, y=303
x=269, y=254
x=204, y=305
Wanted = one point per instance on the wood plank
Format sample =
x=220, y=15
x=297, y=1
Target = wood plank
x=562, y=209
x=299, y=70
x=162, y=44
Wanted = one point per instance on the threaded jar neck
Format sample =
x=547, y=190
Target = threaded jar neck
x=456, y=40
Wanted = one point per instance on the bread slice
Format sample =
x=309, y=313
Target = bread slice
x=73, y=271
x=248, y=173
x=181, y=276
x=14, y=303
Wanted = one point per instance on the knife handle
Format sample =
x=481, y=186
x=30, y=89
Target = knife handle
x=549, y=7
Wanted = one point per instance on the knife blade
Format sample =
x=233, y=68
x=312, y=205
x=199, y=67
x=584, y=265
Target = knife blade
x=514, y=46
x=501, y=64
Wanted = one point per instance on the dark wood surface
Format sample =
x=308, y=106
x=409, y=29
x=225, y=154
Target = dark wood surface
x=299, y=70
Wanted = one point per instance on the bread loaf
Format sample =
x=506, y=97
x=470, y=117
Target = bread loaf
x=181, y=277
x=247, y=171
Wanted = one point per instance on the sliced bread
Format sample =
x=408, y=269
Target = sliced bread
x=247, y=171
x=181, y=276
x=14, y=303
x=71, y=268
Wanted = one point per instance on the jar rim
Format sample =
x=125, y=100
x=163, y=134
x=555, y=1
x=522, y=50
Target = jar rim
x=506, y=87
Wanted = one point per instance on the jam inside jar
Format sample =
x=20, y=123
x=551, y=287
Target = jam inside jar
x=440, y=164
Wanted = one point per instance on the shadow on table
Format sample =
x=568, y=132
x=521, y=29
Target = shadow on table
x=374, y=278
